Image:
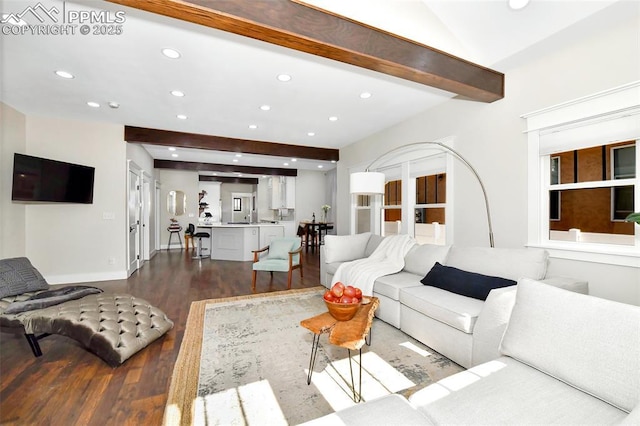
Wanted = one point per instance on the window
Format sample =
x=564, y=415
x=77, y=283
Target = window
x=392, y=208
x=414, y=200
x=584, y=203
x=363, y=214
x=583, y=177
x=431, y=197
x=554, y=196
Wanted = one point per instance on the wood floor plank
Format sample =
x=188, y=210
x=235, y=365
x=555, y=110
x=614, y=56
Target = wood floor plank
x=68, y=385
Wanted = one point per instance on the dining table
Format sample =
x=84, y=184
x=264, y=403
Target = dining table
x=315, y=229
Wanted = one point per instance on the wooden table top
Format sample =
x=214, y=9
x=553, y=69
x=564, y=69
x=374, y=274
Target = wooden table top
x=345, y=334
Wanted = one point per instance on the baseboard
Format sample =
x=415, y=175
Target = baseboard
x=173, y=246
x=87, y=277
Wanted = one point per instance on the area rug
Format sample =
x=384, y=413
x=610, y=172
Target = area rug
x=245, y=360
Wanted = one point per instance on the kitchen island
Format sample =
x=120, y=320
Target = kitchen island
x=235, y=241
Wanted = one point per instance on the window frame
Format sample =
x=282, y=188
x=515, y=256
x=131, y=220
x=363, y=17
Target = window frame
x=603, y=118
x=406, y=167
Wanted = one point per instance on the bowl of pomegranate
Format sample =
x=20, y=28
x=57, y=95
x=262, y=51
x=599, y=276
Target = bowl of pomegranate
x=343, y=301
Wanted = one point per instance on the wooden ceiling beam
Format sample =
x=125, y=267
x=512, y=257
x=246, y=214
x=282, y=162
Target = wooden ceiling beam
x=311, y=30
x=225, y=179
x=225, y=168
x=219, y=143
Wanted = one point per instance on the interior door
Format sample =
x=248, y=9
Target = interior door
x=146, y=219
x=133, y=221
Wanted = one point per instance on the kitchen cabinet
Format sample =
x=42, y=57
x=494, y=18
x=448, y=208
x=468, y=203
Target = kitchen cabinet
x=282, y=191
x=270, y=233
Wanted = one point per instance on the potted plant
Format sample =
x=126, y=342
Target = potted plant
x=633, y=217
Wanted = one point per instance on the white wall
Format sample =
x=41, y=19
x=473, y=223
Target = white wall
x=310, y=194
x=73, y=242
x=597, y=54
x=177, y=180
x=12, y=215
x=212, y=198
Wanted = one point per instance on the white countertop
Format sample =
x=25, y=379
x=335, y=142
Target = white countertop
x=237, y=225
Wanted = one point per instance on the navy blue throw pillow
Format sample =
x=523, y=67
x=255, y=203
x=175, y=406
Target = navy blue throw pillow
x=465, y=283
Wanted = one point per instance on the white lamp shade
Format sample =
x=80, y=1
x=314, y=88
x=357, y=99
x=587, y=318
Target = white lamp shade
x=367, y=183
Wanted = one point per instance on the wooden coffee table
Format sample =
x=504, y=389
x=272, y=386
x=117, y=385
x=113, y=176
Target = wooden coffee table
x=351, y=335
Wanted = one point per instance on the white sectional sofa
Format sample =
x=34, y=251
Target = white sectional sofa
x=465, y=329
x=566, y=359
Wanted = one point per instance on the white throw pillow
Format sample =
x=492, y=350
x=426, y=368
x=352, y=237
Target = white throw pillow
x=344, y=248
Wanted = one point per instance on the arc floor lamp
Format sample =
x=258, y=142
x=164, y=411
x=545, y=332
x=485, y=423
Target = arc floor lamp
x=371, y=183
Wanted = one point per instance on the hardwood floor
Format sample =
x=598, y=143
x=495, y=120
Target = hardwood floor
x=68, y=385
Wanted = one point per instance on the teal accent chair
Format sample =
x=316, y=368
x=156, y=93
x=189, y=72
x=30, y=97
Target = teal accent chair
x=282, y=255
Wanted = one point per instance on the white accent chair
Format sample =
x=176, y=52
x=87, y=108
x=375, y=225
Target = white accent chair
x=282, y=255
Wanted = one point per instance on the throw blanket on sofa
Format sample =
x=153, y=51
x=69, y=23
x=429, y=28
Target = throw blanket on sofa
x=388, y=258
x=51, y=297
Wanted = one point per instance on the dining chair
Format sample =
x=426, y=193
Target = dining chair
x=281, y=255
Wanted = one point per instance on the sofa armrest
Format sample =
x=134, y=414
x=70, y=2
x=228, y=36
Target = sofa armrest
x=571, y=284
x=491, y=324
x=323, y=267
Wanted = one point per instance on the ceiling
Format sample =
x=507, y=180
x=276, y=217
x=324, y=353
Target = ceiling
x=226, y=78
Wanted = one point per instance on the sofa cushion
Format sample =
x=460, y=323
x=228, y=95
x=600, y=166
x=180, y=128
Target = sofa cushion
x=591, y=343
x=422, y=257
x=344, y=248
x=386, y=410
x=466, y=283
x=331, y=268
x=509, y=263
x=458, y=311
x=507, y=392
x=390, y=285
x=17, y=276
x=372, y=244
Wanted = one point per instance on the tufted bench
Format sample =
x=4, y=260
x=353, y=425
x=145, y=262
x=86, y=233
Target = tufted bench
x=113, y=326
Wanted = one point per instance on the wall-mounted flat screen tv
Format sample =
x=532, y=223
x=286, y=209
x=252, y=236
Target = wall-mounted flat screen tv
x=38, y=179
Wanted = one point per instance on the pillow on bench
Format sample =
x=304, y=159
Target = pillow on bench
x=465, y=283
x=17, y=276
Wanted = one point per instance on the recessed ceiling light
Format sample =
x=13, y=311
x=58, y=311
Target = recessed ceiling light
x=170, y=53
x=171, y=148
x=235, y=160
x=365, y=95
x=285, y=164
x=174, y=155
x=265, y=107
x=253, y=126
x=93, y=104
x=64, y=74
x=114, y=105
x=320, y=166
x=333, y=161
x=284, y=77
x=181, y=116
x=177, y=93
x=333, y=118
x=238, y=155
x=311, y=134
x=294, y=160
x=518, y=4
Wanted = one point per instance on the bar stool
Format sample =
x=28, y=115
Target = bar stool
x=174, y=230
x=199, y=249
